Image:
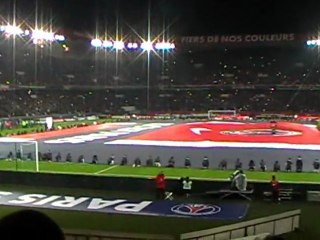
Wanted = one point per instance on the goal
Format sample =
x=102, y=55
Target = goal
x=21, y=149
x=221, y=114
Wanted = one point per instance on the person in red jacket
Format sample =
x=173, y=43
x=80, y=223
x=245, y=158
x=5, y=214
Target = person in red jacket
x=275, y=188
x=160, y=186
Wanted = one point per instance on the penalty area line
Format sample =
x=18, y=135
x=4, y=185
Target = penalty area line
x=106, y=169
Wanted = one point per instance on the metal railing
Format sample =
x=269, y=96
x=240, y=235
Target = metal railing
x=275, y=225
x=99, y=235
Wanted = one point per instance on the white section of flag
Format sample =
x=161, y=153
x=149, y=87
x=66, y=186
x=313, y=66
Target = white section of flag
x=210, y=144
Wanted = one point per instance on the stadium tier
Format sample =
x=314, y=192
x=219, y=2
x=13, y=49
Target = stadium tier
x=281, y=75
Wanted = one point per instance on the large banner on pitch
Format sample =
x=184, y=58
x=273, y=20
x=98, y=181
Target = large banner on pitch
x=225, y=211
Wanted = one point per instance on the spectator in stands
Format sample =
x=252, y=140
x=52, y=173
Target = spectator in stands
x=160, y=186
x=137, y=162
x=149, y=162
x=288, y=165
x=171, y=162
x=263, y=166
x=186, y=186
x=223, y=164
x=111, y=160
x=187, y=162
x=275, y=189
x=252, y=165
x=299, y=164
x=205, y=162
x=316, y=165
x=58, y=157
x=29, y=224
x=81, y=159
x=69, y=157
x=124, y=160
x=94, y=159
x=238, y=164
x=276, y=166
x=157, y=162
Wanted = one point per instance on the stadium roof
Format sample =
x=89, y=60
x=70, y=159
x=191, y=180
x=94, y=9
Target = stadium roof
x=190, y=17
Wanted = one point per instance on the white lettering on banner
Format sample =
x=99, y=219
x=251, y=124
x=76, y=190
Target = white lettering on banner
x=249, y=38
x=99, y=203
x=213, y=39
x=69, y=202
x=47, y=200
x=231, y=38
x=28, y=198
x=132, y=207
x=112, y=133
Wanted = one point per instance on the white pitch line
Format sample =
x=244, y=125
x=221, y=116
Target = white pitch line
x=106, y=169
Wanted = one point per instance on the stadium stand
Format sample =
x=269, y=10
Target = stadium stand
x=253, y=78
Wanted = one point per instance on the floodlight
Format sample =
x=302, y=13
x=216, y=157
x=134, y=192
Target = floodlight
x=42, y=35
x=107, y=44
x=59, y=37
x=12, y=30
x=146, y=46
x=118, y=45
x=96, y=43
x=131, y=45
x=26, y=32
x=164, y=46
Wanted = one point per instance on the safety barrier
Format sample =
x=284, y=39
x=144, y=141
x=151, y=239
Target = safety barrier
x=275, y=225
x=98, y=235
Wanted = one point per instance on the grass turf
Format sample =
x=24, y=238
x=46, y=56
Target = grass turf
x=147, y=172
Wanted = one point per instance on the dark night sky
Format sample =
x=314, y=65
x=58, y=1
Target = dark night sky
x=189, y=17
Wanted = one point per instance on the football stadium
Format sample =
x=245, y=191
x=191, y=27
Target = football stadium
x=172, y=125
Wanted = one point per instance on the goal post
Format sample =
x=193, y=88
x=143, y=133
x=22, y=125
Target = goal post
x=14, y=144
x=214, y=113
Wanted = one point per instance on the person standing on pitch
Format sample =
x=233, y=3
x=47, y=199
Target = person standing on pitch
x=160, y=186
x=187, y=186
x=275, y=189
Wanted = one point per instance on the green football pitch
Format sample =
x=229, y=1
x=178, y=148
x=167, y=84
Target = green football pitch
x=150, y=172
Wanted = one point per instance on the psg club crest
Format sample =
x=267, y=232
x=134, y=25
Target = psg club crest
x=196, y=209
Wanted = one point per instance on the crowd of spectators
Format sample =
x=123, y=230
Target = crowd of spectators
x=27, y=102
x=38, y=80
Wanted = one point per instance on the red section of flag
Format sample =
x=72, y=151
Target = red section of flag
x=206, y=131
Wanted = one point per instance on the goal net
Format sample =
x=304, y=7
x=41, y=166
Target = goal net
x=19, y=154
x=222, y=114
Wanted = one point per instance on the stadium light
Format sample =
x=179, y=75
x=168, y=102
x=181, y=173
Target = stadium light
x=96, y=43
x=119, y=45
x=107, y=44
x=131, y=45
x=11, y=30
x=147, y=46
x=164, y=46
x=313, y=42
x=26, y=32
x=42, y=35
x=60, y=38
